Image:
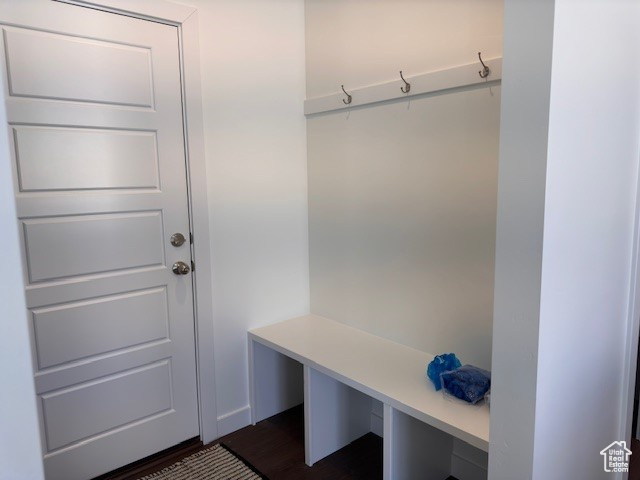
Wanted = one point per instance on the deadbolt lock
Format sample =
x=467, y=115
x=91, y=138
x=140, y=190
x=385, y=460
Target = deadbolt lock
x=180, y=268
x=177, y=239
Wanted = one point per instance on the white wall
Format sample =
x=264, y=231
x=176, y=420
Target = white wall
x=252, y=61
x=365, y=42
x=402, y=195
x=569, y=171
x=20, y=448
x=592, y=173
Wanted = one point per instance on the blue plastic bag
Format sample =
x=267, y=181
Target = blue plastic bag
x=467, y=383
x=439, y=364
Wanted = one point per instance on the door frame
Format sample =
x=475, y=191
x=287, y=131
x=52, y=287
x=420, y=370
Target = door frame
x=185, y=18
x=630, y=353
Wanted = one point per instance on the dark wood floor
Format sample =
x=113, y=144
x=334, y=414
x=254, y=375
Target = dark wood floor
x=634, y=465
x=276, y=448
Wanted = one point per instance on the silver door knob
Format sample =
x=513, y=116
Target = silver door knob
x=180, y=268
x=177, y=239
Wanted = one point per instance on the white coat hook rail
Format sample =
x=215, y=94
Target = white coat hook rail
x=484, y=73
x=407, y=85
x=349, y=97
x=444, y=80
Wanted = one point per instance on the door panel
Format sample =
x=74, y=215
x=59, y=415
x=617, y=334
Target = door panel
x=74, y=159
x=54, y=71
x=95, y=120
x=96, y=243
x=85, y=370
x=79, y=412
x=74, y=331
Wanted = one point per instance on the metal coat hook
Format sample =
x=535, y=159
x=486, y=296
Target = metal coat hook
x=349, y=97
x=407, y=85
x=484, y=73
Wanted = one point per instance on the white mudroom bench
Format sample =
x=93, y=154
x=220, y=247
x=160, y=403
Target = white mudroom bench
x=337, y=370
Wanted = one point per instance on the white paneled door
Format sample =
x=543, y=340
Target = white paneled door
x=95, y=118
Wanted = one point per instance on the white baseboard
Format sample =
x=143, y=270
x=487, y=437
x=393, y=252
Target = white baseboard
x=235, y=420
x=467, y=462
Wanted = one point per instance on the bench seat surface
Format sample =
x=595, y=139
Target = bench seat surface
x=388, y=371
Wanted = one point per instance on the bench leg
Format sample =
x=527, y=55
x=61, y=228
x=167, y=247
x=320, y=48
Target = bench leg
x=334, y=415
x=413, y=449
x=275, y=382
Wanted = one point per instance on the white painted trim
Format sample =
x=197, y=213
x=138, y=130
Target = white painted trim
x=186, y=20
x=252, y=387
x=630, y=357
x=201, y=249
x=431, y=82
x=156, y=10
x=235, y=420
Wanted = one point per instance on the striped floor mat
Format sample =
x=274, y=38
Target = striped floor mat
x=214, y=463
